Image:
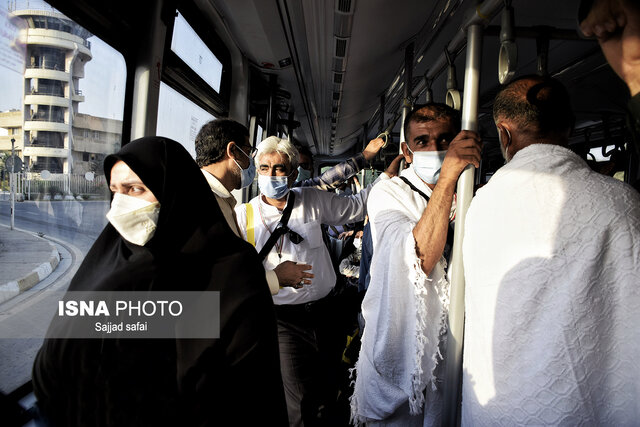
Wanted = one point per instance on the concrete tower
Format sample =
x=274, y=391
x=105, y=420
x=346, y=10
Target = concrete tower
x=57, y=50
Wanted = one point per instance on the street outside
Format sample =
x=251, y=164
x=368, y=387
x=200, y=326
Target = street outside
x=72, y=226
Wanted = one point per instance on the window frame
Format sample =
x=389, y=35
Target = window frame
x=186, y=81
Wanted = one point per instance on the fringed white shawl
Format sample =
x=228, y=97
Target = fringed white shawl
x=404, y=310
x=552, y=267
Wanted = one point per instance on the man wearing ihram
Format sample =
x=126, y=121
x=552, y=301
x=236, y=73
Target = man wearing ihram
x=400, y=366
x=552, y=266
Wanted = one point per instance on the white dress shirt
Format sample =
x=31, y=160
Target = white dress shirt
x=312, y=208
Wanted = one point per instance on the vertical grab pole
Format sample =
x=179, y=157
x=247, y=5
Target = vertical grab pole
x=272, y=113
x=408, y=78
x=12, y=181
x=453, y=376
x=382, y=101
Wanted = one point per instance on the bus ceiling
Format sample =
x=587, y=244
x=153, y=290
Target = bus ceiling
x=338, y=58
x=334, y=70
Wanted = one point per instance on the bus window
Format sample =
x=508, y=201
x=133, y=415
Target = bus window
x=195, y=53
x=192, y=81
x=61, y=114
x=596, y=153
x=179, y=118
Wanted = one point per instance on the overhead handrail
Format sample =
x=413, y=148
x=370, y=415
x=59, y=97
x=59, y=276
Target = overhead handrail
x=406, y=92
x=482, y=14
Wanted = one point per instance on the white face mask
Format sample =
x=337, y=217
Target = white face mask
x=274, y=187
x=427, y=164
x=135, y=219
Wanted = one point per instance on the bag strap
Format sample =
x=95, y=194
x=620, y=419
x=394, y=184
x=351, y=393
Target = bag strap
x=251, y=237
x=280, y=229
x=449, y=242
x=414, y=188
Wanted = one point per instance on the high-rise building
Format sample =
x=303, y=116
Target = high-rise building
x=53, y=135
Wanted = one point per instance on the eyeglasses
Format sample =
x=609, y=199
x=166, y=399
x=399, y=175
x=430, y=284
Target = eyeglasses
x=279, y=169
x=252, y=151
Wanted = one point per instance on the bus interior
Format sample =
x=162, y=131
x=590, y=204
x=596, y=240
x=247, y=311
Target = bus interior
x=330, y=75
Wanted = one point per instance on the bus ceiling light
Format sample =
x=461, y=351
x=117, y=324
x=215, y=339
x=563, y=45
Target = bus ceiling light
x=508, y=57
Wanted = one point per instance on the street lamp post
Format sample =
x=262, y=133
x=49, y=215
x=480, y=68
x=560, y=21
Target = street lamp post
x=12, y=182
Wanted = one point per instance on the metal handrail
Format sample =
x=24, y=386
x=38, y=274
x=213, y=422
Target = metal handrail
x=482, y=14
x=55, y=67
x=47, y=119
x=455, y=337
x=46, y=93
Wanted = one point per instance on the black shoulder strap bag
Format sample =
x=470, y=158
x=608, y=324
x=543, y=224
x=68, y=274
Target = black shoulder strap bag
x=282, y=229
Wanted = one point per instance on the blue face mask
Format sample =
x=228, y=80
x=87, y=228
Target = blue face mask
x=427, y=164
x=247, y=174
x=274, y=187
x=303, y=174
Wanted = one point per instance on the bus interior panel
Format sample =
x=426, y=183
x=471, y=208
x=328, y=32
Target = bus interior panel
x=329, y=75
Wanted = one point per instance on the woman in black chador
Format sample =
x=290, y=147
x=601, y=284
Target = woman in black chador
x=233, y=380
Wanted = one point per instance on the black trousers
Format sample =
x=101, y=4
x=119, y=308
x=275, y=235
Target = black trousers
x=311, y=344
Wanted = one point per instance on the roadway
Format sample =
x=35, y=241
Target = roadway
x=76, y=222
x=72, y=226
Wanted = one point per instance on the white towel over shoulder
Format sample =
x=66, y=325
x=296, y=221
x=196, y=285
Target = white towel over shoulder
x=552, y=267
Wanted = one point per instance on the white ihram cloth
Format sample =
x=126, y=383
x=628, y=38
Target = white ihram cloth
x=552, y=266
x=405, y=316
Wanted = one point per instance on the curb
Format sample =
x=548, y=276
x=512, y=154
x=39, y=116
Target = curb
x=16, y=287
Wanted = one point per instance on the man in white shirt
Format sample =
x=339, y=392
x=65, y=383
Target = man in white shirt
x=225, y=157
x=399, y=369
x=304, y=314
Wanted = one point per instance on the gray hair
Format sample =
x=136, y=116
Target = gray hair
x=284, y=147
